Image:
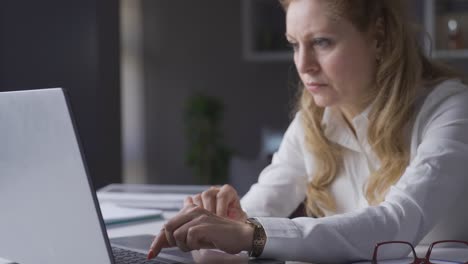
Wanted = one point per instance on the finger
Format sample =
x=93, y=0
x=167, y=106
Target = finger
x=209, y=199
x=198, y=200
x=196, y=238
x=188, y=201
x=186, y=215
x=158, y=243
x=169, y=237
x=224, y=198
x=233, y=213
x=180, y=238
x=180, y=234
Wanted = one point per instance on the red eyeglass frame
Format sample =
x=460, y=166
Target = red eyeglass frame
x=417, y=260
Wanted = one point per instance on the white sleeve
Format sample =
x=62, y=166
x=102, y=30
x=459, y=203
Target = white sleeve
x=282, y=185
x=432, y=182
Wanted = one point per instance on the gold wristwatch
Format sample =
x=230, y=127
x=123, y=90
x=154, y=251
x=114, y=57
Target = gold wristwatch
x=259, y=238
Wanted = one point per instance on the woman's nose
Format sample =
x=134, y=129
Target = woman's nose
x=306, y=61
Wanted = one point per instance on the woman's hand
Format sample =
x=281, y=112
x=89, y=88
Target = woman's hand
x=195, y=228
x=222, y=201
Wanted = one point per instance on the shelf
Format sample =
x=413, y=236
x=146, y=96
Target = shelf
x=440, y=15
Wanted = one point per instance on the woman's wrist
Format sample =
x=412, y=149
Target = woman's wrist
x=248, y=236
x=258, y=238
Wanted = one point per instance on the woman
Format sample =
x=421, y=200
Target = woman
x=377, y=148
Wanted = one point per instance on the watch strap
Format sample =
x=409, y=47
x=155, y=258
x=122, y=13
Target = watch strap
x=259, y=238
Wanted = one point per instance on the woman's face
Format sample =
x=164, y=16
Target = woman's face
x=335, y=61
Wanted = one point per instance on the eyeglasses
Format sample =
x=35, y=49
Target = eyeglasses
x=455, y=250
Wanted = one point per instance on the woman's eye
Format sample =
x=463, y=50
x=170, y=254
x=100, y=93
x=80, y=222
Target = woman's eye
x=322, y=42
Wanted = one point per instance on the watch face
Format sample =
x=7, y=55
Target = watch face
x=262, y=239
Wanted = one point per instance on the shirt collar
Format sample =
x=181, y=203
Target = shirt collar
x=337, y=130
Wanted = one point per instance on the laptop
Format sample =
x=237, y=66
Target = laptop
x=48, y=206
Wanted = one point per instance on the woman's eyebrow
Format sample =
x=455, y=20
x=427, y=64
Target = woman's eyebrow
x=305, y=36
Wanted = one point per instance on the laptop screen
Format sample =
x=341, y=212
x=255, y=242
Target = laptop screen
x=47, y=205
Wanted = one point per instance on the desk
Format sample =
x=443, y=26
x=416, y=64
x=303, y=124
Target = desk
x=153, y=227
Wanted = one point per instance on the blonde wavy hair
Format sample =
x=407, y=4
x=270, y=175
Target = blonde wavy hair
x=402, y=70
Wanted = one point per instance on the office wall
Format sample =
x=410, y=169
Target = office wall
x=196, y=46
x=70, y=44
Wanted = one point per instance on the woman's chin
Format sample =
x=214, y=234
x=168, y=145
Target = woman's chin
x=321, y=101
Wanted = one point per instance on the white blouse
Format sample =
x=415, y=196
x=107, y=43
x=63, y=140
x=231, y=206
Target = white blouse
x=427, y=195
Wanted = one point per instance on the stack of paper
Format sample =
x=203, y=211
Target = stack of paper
x=115, y=214
x=165, y=197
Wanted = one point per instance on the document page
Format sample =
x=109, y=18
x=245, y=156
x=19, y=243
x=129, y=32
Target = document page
x=164, y=197
x=116, y=214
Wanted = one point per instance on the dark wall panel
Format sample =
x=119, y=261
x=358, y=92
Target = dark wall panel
x=70, y=44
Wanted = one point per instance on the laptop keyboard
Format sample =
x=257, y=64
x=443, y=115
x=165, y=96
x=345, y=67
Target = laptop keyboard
x=123, y=256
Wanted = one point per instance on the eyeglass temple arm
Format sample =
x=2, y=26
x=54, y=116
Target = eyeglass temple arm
x=376, y=249
x=428, y=254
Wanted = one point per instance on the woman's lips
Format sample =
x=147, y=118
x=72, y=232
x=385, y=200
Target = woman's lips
x=314, y=87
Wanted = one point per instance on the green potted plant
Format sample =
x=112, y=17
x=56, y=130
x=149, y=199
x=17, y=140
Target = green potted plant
x=207, y=155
